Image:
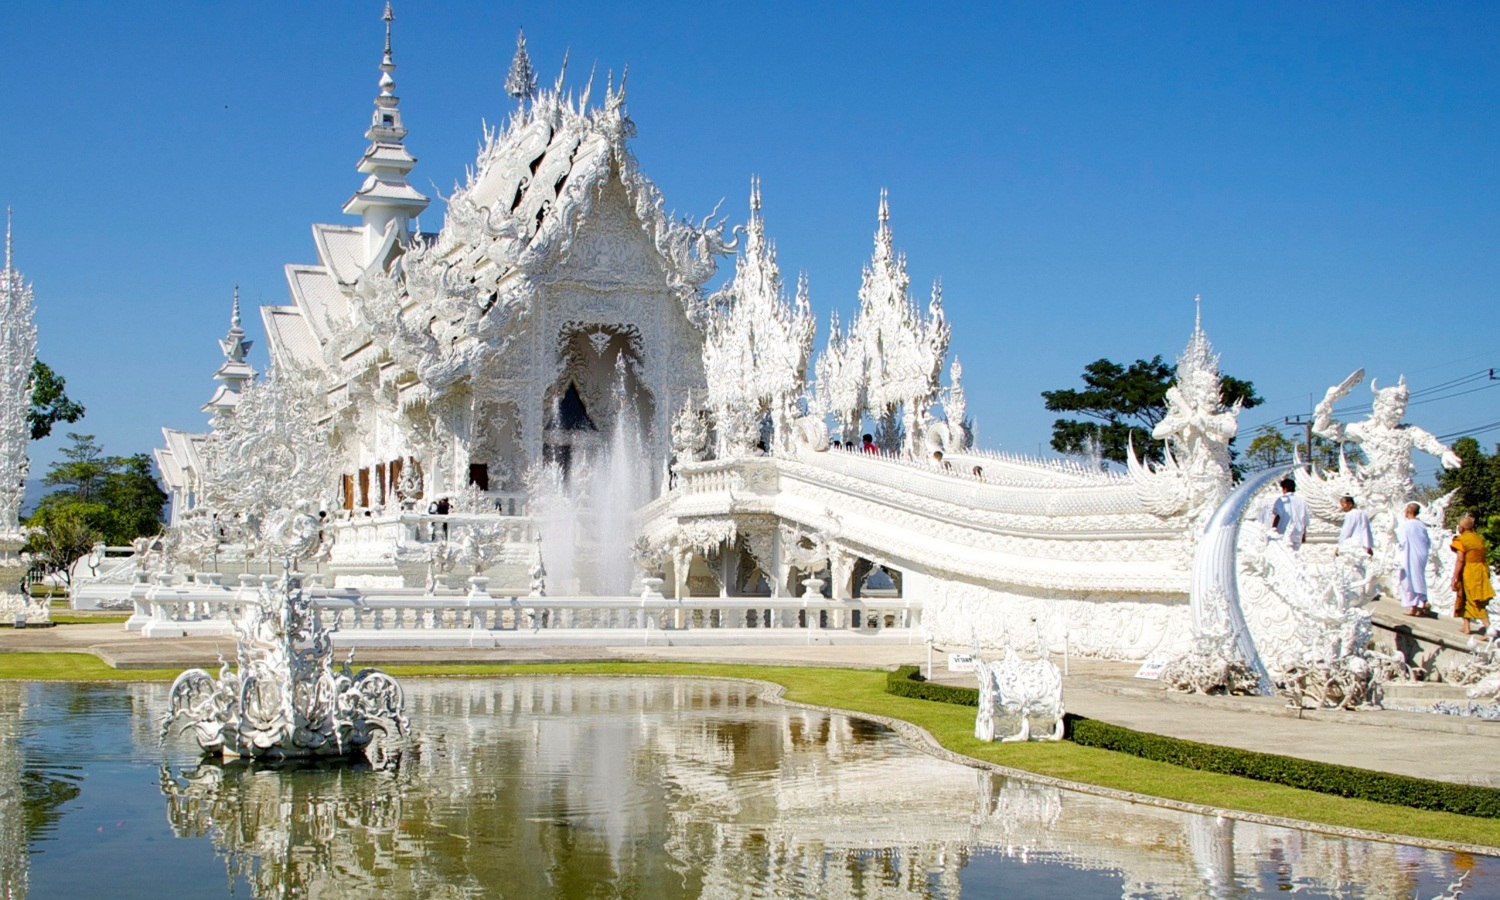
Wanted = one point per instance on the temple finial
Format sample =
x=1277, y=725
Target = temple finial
x=385, y=125
x=7, y=239
x=520, y=83
x=385, y=197
x=755, y=195
x=234, y=315
x=1197, y=312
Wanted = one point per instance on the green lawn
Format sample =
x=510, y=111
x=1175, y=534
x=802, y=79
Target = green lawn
x=953, y=727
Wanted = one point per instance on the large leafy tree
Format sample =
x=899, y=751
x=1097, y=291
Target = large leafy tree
x=1121, y=405
x=114, y=499
x=49, y=401
x=1272, y=447
x=1476, y=487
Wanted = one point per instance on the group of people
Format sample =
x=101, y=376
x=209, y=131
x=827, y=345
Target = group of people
x=1472, y=586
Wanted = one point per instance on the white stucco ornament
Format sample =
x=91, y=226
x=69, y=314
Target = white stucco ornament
x=17, y=354
x=283, y=697
x=1194, y=477
x=1019, y=699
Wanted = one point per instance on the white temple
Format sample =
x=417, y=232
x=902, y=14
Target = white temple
x=543, y=391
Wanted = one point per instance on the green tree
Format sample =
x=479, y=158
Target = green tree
x=1271, y=447
x=81, y=473
x=49, y=401
x=1125, y=404
x=114, y=497
x=60, y=536
x=1476, y=489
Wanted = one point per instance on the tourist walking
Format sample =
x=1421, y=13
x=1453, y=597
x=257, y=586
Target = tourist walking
x=1355, y=534
x=1289, y=514
x=1412, y=548
x=1472, y=589
x=869, y=444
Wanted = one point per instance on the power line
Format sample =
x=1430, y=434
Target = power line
x=1489, y=375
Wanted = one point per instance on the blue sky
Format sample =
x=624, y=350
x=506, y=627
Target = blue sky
x=1323, y=174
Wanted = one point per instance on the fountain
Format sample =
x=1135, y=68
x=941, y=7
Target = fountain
x=587, y=516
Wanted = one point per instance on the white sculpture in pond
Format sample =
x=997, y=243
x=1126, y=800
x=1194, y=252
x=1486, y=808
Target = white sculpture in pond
x=1014, y=693
x=283, y=698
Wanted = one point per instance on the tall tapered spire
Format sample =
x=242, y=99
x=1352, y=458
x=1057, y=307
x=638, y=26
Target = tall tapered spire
x=234, y=372
x=385, y=200
x=521, y=81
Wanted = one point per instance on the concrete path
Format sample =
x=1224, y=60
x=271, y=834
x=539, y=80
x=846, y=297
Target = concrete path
x=1410, y=743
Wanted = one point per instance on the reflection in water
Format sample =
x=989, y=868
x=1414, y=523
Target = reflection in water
x=574, y=787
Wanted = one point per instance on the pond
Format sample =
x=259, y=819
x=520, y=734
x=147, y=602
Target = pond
x=615, y=787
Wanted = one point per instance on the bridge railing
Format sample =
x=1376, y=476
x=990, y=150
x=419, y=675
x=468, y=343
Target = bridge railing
x=205, y=607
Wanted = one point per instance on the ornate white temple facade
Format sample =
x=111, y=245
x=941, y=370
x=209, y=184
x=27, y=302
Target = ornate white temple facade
x=487, y=392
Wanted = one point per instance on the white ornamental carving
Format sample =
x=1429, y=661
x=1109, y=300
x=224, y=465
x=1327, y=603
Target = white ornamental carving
x=1014, y=693
x=1385, y=481
x=887, y=363
x=283, y=698
x=268, y=456
x=17, y=354
x=1194, y=477
x=757, y=347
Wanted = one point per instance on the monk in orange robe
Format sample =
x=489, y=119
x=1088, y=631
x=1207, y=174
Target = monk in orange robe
x=1471, y=576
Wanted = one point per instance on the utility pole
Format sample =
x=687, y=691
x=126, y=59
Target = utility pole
x=1307, y=423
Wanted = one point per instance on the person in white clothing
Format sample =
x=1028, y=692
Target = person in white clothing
x=1356, y=534
x=1412, y=547
x=1289, y=514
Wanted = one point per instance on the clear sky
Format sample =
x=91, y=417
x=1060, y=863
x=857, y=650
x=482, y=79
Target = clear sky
x=1325, y=175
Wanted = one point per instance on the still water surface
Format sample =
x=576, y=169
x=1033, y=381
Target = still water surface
x=620, y=787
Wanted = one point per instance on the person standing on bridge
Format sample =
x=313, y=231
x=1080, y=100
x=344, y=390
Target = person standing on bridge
x=1355, y=535
x=869, y=444
x=1412, y=549
x=1472, y=588
x=1289, y=514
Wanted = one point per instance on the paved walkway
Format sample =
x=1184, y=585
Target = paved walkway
x=1409, y=743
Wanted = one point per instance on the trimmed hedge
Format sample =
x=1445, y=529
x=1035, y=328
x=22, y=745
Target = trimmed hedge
x=1310, y=775
x=907, y=681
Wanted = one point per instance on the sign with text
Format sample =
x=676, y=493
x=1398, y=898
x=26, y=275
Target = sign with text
x=1151, y=668
x=960, y=662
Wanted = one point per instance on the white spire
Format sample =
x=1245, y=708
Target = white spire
x=521, y=81
x=17, y=354
x=234, y=371
x=385, y=197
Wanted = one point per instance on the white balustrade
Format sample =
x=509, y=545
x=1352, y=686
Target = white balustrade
x=173, y=607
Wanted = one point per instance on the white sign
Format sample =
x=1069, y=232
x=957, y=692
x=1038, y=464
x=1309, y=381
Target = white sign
x=960, y=662
x=1151, y=668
